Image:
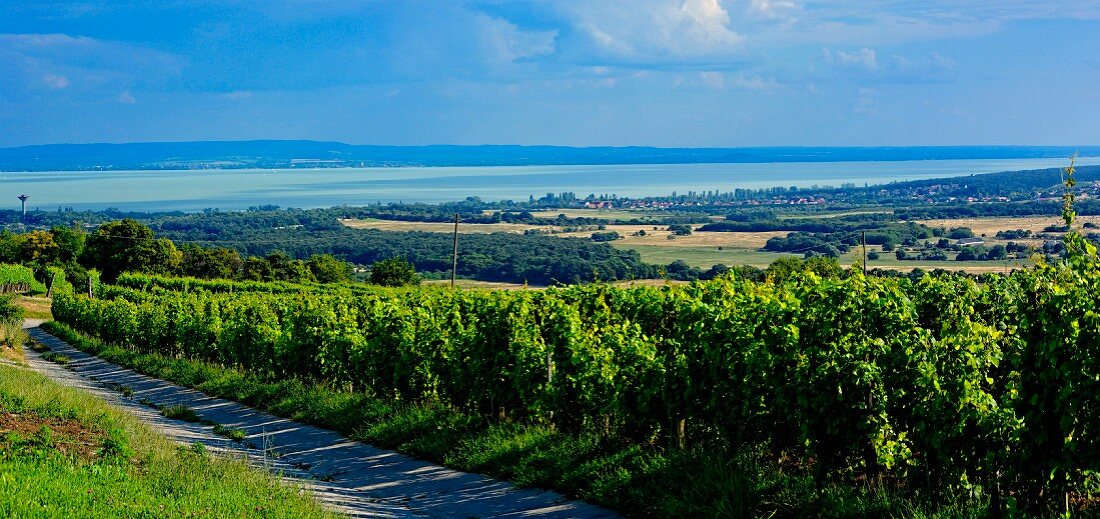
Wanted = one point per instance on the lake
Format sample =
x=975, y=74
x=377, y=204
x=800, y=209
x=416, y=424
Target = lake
x=194, y=190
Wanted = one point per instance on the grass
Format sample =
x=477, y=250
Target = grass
x=636, y=480
x=35, y=307
x=12, y=339
x=607, y=214
x=441, y=227
x=990, y=225
x=180, y=412
x=126, y=391
x=236, y=435
x=64, y=453
x=56, y=357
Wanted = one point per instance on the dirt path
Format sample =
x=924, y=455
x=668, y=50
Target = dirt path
x=351, y=477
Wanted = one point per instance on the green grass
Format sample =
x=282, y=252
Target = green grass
x=56, y=357
x=636, y=480
x=236, y=435
x=122, y=469
x=180, y=412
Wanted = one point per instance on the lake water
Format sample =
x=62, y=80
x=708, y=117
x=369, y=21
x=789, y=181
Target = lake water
x=194, y=190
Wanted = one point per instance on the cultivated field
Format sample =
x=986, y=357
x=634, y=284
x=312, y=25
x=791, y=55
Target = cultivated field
x=443, y=227
x=990, y=226
x=705, y=249
x=473, y=283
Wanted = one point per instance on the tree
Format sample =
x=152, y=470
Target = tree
x=70, y=243
x=127, y=245
x=38, y=247
x=256, y=269
x=393, y=272
x=210, y=262
x=960, y=232
x=605, y=236
x=997, y=252
x=824, y=266
x=286, y=268
x=783, y=268
x=327, y=269
x=680, y=229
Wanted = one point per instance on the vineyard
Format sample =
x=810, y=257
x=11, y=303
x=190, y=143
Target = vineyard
x=18, y=278
x=943, y=385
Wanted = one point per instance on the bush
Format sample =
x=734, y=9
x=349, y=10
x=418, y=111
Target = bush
x=393, y=272
x=605, y=236
x=959, y=233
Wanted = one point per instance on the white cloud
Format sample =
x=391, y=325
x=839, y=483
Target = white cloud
x=126, y=98
x=648, y=31
x=55, y=81
x=784, y=10
x=507, y=42
x=865, y=57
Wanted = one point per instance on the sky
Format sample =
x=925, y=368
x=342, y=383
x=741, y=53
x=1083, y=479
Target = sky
x=682, y=73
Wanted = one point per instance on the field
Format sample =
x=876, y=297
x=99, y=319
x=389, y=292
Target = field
x=706, y=249
x=441, y=227
x=476, y=284
x=990, y=226
x=608, y=214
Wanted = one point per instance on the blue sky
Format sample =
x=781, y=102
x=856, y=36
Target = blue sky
x=570, y=72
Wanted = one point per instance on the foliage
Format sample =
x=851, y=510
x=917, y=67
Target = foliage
x=127, y=245
x=680, y=229
x=393, y=272
x=327, y=269
x=9, y=311
x=605, y=236
x=19, y=278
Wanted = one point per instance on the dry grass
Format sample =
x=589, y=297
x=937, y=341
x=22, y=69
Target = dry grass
x=609, y=214
x=990, y=226
x=12, y=339
x=36, y=307
x=440, y=227
x=659, y=237
x=483, y=285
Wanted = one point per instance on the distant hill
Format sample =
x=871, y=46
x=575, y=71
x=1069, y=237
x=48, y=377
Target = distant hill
x=311, y=154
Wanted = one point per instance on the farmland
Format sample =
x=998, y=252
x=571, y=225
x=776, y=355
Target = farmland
x=657, y=245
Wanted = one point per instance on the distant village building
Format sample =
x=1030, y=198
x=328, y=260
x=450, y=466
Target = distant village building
x=971, y=241
x=598, y=205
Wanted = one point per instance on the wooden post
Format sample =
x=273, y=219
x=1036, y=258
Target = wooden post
x=49, y=291
x=454, y=255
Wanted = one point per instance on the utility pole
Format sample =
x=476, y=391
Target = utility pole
x=864, y=240
x=454, y=255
